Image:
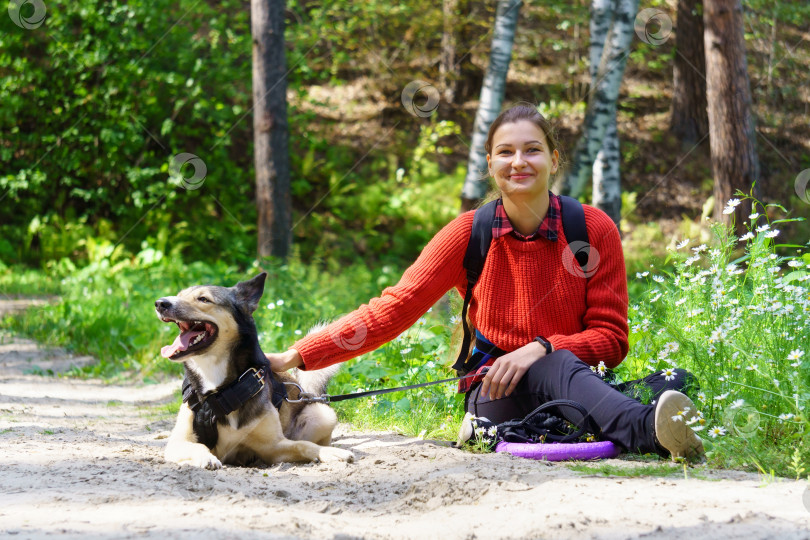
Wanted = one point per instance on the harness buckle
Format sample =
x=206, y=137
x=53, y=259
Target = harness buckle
x=257, y=374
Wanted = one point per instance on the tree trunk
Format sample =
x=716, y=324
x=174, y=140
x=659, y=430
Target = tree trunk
x=607, y=185
x=448, y=71
x=476, y=182
x=731, y=127
x=612, y=34
x=689, y=121
x=270, y=133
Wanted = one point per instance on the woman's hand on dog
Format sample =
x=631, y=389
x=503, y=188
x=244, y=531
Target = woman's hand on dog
x=505, y=373
x=284, y=361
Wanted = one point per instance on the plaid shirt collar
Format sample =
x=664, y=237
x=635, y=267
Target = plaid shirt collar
x=549, y=227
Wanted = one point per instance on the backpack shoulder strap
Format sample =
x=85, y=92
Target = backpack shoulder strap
x=474, y=259
x=573, y=222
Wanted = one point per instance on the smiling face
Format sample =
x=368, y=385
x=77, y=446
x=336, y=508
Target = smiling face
x=521, y=160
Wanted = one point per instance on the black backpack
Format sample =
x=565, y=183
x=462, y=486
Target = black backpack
x=573, y=223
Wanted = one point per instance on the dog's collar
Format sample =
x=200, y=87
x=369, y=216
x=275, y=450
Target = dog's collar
x=227, y=399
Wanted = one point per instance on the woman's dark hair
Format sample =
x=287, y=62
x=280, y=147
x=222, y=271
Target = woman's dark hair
x=522, y=111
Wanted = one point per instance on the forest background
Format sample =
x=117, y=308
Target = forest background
x=100, y=99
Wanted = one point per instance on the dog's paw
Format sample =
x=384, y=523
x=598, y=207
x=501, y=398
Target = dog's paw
x=209, y=462
x=330, y=453
x=196, y=457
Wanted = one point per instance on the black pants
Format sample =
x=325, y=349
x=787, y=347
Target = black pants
x=612, y=415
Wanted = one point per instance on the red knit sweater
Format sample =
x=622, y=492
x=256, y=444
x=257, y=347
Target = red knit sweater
x=524, y=291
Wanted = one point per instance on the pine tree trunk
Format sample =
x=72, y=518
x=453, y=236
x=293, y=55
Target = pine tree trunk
x=611, y=37
x=270, y=132
x=476, y=182
x=731, y=127
x=689, y=121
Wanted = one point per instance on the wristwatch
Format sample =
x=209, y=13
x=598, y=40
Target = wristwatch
x=545, y=343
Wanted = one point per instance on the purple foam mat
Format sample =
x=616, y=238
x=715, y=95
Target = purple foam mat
x=560, y=451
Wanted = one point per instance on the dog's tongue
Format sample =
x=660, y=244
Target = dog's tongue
x=180, y=344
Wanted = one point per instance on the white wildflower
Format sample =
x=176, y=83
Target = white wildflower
x=736, y=404
x=717, y=430
x=747, y=236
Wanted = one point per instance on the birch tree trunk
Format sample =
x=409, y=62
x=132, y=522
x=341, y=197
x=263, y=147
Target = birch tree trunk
x=689, y=120
x=731, y=127
x=607, y=187
x=270, y=133
x=476, y=182
x=612, y=34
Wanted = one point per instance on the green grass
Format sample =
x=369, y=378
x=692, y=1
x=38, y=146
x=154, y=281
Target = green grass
x=604, y=469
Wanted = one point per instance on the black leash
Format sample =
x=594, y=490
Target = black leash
x=307, y=397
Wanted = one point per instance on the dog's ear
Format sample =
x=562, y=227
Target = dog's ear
x=250, y=292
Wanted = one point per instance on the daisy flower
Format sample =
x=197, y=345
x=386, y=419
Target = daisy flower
x=717, y=430
x=795, y=354
x=747, y=236
x=731, y=205
x=736, y=404
x=668, y=374
x=721, y=397
x=681, y=415
x=682, y=244
x=772, y=234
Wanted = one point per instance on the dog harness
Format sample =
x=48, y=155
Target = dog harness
x=214, y=406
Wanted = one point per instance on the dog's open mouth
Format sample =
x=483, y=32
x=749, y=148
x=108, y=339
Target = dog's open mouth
x=194, y=335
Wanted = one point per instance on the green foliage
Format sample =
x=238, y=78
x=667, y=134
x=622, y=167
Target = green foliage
x=737, y=316
x=106, y=309
x=100, y=99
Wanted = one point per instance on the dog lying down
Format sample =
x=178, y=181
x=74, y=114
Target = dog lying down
x=234, y=409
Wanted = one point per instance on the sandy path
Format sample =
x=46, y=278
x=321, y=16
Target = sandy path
x=84, y=459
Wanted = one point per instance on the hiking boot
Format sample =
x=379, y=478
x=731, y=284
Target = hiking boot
x=672, y=412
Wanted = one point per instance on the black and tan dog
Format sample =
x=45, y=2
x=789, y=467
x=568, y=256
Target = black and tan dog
x=233, y=409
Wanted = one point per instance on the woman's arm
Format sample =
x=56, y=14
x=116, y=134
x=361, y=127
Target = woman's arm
x=437, y=270
x=605, y=337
